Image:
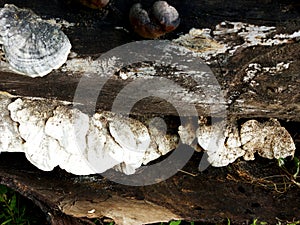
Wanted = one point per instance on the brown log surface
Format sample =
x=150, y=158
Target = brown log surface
x=95, y=33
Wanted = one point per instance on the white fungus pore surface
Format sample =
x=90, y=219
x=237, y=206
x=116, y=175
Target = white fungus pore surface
x=269, y=139
x=10, y=139
x=54, y=134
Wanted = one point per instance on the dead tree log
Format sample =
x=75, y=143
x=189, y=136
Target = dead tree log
x=253, y=52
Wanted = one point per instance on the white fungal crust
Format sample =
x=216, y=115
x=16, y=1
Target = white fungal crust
x=201, y=41
x=51, y=134
x=223, y=38
x=133, y=138
x=32, y=47
x=223, y=147
x=55, y=135
x=10, y=139
x=270, y=140
x=39, y=148
x=161, y=142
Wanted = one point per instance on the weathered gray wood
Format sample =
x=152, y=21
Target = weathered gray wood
x=95, y=33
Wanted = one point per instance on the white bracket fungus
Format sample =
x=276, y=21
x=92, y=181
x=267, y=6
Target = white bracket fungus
x=222, y=149
x=10, y=139
x=270, y=140
x=51, y=134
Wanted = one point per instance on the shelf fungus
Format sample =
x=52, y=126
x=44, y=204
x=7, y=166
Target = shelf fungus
x=53, y=133
x=155, y=22
x=269, y=139
x=32, y=46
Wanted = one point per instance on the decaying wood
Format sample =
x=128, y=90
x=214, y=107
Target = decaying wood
x=273, y=97
x=242, y=192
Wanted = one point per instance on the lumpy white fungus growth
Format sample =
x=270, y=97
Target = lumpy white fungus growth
x=269, y=139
